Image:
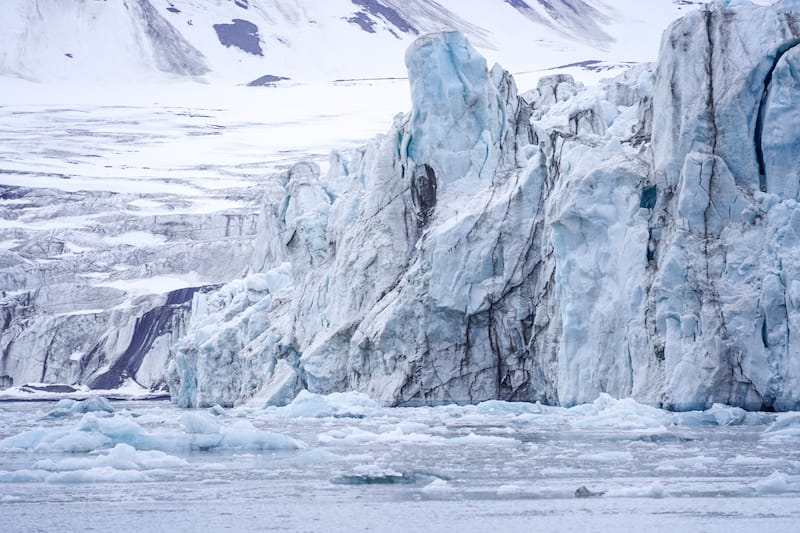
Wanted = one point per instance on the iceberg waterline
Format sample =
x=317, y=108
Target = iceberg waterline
x=104, y=432
x=82, y=464
x=635, y=238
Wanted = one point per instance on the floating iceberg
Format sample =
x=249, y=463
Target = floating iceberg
x=67, y=407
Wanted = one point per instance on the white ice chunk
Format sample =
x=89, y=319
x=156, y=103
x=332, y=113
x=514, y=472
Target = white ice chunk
x=606, y=457
x=201, y=432
x=438, y=488
x=346, y=404
x=775, y=483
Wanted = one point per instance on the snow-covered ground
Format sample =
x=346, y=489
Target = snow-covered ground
x=184, y=149
x=344, y=463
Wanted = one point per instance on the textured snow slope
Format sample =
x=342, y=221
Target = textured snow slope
x=86, y=40
x=573, y=242
x=91, y=41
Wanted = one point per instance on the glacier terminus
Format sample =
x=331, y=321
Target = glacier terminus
x=636, y=238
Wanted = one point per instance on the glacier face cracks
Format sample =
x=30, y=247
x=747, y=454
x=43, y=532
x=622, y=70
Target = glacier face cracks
x=728, y=259
x=636, y=238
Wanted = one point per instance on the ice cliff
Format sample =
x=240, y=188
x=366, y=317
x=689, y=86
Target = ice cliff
x=637, y=238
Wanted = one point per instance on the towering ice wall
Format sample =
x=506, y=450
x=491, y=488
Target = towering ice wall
x=727, y=166
x=635, y=238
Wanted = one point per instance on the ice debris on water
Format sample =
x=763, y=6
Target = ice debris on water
x=375, y=475
x=337, y=405
x=786, y=426
x=201, y=432
x=120, y=457
x=775, y=483
x=121, y=464
x=583, y=492
x=651, y=490
x=439, y=488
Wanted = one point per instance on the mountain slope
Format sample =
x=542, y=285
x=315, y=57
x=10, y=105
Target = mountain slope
x=86, y=39
x=239, y=41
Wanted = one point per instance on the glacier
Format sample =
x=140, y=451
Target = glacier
x=96, y=289
x=635, y=238
x=108, y=219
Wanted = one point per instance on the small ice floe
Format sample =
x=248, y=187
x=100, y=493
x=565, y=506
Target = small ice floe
x=786, y=426
x=700, y=462
x=316, y=457
x=583, y=492
x=336, y=405
x=775, y=483
x=217, y=410
x=721, y=415
x=67, y=407
x=606, y=457
x=749, y=460
x=375, y=475
x=607, y=413
x=652, y=490
x=535, y=492
x=438, y=488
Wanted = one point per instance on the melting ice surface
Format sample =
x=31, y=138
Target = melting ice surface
x=345, y=463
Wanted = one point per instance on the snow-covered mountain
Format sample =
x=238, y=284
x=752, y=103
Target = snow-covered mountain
x=242, y=41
